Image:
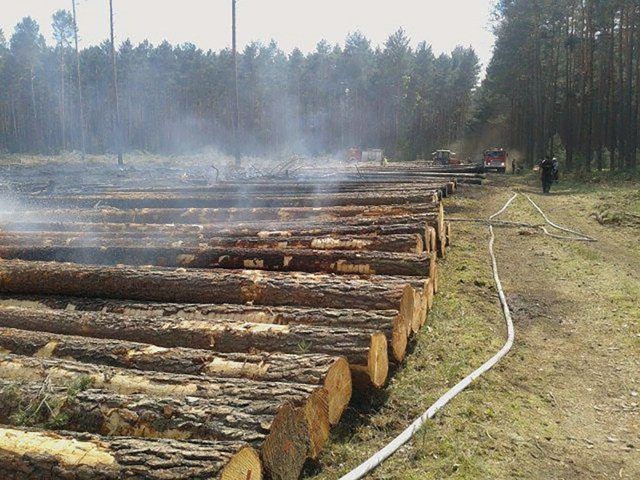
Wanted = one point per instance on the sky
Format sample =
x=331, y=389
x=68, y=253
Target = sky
x=292, y=23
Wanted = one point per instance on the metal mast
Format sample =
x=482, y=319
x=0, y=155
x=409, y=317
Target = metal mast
x=236, y=103
x=117, y=125
x=80, y=105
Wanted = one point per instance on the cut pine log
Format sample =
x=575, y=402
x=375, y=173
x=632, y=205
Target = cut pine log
x=311, y=261
x=213, y=215
x=276, y=189
x=310, y=417
x=365, y=350
x=387, y=225
x=399, y=243
x=36, y=455
x=134, y=415
x=332, y=373
x=240, y=200
x=203, y=286
x=407, y=234
x=392, y=323
x=234, y=392
x=403, y=243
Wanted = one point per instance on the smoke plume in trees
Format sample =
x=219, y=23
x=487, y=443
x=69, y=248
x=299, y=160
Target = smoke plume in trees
x=174, y=98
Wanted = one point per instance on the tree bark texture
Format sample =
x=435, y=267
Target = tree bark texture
x=202, y=286
x=290, y=260
x=41, y=455
x=332, y=373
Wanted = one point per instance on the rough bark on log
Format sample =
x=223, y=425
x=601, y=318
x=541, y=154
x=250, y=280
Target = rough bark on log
x=40, y=455
x=387, y=225
x=202, y=286
x=293, y=187
x=332, y=373
x=290, y=260
x=391, y=322
x=213, y=215
x=310, y=412
x=360, y=348
x=375, y=236
x=98, y=239
x=272, y=395
x=134, y=415
x=230, y=200
x=278, y=189
x=403, y=243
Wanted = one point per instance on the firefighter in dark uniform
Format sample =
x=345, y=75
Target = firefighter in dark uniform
x=556, y=170
x=546, y=174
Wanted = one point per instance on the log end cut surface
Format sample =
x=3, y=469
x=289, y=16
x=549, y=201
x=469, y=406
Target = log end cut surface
x=378, y=364
x=376, y=372
x=339, y=386
x=287, y=447
x=410, y=307
x=244, y=465
x=399, y=338
x=316, y=411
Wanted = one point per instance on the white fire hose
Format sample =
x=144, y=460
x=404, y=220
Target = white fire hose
x=376, y=459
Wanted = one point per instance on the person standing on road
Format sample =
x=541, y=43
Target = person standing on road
x=546, y=174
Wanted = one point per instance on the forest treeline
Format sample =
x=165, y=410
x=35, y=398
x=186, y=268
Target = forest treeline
x=564, y=81
x=177, y=98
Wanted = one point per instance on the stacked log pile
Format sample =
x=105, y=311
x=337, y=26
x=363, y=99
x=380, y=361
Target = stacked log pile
x=214, y=332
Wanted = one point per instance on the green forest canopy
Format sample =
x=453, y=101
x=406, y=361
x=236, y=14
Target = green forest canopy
x=564, y=81
x=177, y=98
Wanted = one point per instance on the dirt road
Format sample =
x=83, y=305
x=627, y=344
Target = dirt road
x=565, y=403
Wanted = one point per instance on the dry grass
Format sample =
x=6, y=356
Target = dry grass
x=564, y=403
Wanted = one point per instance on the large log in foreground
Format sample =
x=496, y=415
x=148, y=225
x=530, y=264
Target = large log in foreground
x=34, y=455
x=332, y=373
x=203, y=286
x=300, y=432
x=396, y=327
x=366, y=351
x=133, y=415
x=233, y=392
x=312, y=261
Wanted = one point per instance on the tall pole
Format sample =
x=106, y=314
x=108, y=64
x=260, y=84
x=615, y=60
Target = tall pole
x=236, y=103
x=83, y=140
x=117, y=127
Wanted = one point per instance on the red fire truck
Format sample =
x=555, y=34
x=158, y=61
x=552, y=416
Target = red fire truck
x=496, y=159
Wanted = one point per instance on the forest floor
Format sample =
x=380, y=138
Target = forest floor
x=564, y=404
